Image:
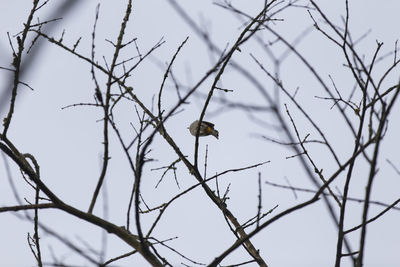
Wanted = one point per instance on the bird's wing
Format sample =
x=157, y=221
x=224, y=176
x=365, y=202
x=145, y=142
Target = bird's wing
x=209, y=124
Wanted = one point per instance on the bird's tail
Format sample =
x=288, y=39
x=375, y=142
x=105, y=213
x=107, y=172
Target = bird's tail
x=215, y=133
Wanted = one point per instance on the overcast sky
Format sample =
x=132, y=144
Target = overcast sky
x=68, y=142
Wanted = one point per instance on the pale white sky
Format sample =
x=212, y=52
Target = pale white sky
x=67, y=143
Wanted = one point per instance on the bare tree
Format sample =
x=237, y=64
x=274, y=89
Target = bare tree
x=250, y=76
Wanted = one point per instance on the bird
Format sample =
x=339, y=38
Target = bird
x=206, y=128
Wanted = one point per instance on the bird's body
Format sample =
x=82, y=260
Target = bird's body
x=206, y=128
